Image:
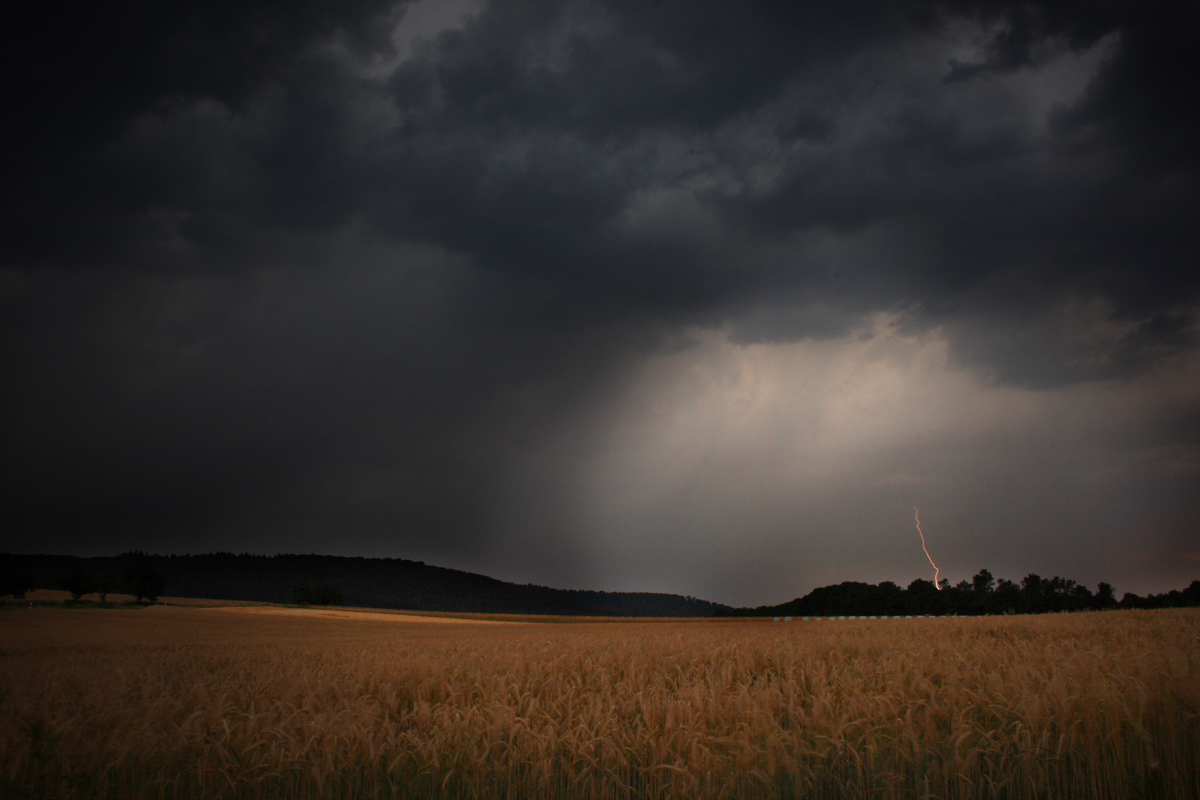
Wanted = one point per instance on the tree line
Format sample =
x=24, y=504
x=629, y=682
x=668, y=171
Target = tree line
x=983, y=594
x=140, y=579
x=397, y=583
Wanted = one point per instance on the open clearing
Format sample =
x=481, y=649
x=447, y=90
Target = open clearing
x=180, y=702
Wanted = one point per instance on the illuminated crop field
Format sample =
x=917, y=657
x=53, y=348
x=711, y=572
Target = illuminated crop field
x=197, y=702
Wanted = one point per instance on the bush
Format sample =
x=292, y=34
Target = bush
x=323, y=594
x=326, y=594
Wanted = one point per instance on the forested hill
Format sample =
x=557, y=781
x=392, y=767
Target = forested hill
x=367, y=582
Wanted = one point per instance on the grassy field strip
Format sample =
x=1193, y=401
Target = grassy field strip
x=356, y=614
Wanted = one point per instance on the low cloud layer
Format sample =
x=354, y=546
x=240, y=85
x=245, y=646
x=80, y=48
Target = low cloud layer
x=678, y=296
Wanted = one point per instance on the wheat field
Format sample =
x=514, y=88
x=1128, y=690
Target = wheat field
x=171, y=702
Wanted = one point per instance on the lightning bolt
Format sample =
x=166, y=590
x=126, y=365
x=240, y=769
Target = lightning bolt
x=936, y=571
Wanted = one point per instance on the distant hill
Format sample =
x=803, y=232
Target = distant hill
x=368, y=582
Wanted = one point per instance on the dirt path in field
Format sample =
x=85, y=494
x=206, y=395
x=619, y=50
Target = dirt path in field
x=331, y=613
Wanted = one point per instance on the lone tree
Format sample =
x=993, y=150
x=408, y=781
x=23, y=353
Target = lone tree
x=79, y=581
x=143, y=581
x=105, y=584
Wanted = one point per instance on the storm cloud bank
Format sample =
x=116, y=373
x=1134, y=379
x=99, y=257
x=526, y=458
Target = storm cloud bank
x=690, y=297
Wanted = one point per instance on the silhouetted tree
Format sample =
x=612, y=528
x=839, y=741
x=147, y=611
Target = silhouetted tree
x=145, y=582
x=1007, y=596
x=105, y=584
x=1105, y=596
x=1081, y=598
x=1031, y=593
x=1056, y=593
x=891, y=598
x=1191, y=594
x=79, y=581
x=983, y=582
x=921, y=597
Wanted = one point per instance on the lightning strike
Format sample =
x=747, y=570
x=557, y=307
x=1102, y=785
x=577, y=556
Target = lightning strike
x=936, y=571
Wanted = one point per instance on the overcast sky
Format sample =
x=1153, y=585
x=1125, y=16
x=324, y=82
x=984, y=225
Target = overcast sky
x=693, y=297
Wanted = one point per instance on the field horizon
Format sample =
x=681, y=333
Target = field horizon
x=413, y=586
x=174, y=701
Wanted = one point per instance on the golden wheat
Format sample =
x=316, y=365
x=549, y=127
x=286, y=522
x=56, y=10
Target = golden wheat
x=174, y=702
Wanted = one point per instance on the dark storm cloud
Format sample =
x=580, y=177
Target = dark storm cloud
x=78, y=77
x=267, y=269
x=524, y=137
